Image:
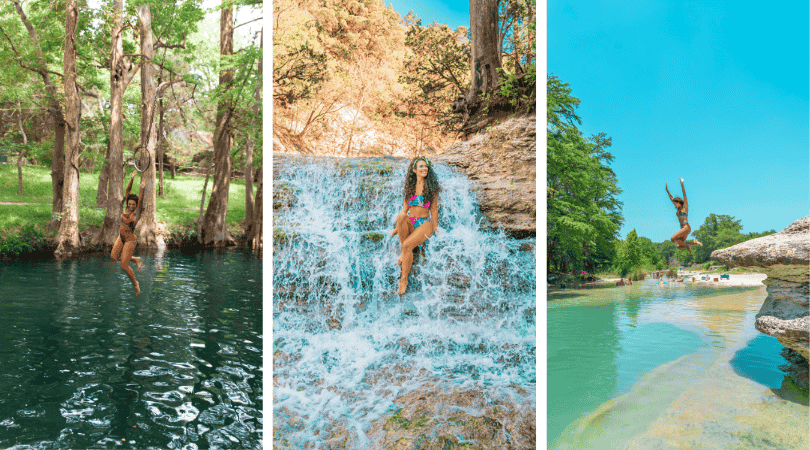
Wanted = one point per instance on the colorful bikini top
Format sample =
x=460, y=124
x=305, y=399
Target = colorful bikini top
x=679, y=213
x=418, y=200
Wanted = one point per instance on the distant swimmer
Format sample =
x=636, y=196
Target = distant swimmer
x=682, y=206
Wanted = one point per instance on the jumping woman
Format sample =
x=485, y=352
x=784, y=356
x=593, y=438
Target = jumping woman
x=682, y=206
x=419, y=217
x=126, y=241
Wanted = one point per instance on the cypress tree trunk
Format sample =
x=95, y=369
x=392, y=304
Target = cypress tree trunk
x=120, y=76
x=256, y=238
x=102, y=193
x=486, y=57
x=67, y=238
x=147, y=226
x=55, y=107
x=161, y=150
x=22, y=152
x=215, y=228
x=249, y=222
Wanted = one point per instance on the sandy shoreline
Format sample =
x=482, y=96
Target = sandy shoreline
x=742, y=279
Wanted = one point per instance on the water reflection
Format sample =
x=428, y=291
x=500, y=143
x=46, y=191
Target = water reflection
x=88, y=364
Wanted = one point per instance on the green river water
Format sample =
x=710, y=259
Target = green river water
x=87, y=364
x=667, y=367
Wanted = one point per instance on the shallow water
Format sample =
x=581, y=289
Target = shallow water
x=87, y=364
x=346, y=347
x=681, y=366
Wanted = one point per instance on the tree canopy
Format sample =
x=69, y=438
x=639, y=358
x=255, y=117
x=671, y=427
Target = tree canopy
x=584, y=213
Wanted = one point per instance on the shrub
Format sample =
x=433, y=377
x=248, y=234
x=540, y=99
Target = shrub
x=30, y=239
x=638, y=275
x=707, y=265
x=672, y=272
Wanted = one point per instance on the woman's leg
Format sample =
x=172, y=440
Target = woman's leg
x=404, y=229
x=137, y=260
x=418, y=237
x=126, y=255
x=116, y=250
x=679, y=239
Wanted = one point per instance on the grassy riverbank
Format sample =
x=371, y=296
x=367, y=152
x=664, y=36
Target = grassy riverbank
x=27, y=215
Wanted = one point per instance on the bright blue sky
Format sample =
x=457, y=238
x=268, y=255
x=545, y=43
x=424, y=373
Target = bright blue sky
x=452, y=13
x=714, y=92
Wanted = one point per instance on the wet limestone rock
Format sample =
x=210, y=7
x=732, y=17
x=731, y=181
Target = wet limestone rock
x=433, y=417
x=785, y=258
x=500, y=163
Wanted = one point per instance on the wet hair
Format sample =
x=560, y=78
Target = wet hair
x=131, y=197
x=678, y=200
x=431, y=188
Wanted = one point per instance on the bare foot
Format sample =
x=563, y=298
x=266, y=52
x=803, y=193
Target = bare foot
x=399, y=260
x=139, y=263
x=698, y=243
x=137, y=288
x=403, y=285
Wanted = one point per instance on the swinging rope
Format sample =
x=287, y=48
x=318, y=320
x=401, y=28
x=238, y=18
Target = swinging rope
x=154, y=104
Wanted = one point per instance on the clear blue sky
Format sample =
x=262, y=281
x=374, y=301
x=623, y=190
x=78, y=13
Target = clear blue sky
x=714, y=92
x=451, y=13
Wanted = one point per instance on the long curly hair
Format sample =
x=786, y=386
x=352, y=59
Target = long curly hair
x=132, y=197
x=431, y=188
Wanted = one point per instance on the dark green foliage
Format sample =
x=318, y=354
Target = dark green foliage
x=584, y=213
x=29, y=239
x=438, y=71
x=520, y=90
x=298, y=74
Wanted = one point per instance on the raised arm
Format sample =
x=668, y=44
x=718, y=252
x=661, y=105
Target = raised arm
x=129, y=187
x=685, y=201
x=670, y=195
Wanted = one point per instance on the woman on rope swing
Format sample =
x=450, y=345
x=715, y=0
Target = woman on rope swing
x=682, y=207
x=126, y=241
x=420, y=204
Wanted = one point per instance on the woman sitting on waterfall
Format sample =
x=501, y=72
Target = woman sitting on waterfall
x=420, y=204
x=126, y=241
x=682, y=206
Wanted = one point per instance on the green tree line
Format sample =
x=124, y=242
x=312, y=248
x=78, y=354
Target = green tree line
x=96, y=87
x=583, y=211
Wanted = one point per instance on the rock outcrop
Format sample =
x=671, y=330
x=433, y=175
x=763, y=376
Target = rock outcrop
x=435, y=417
x=500, y=163
x=785, y=315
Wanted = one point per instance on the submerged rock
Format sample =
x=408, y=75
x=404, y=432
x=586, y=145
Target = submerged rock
x=785, y=315
x=500, y=162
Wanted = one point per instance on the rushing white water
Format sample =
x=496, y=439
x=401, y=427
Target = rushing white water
x=346, y=345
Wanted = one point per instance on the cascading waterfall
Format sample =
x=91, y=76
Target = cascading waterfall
x=345, y=344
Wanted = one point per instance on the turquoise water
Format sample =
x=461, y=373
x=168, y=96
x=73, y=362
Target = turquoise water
x=87, y=364
x=625, y=364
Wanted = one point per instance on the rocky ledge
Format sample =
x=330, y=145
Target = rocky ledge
x=500, y=163
x=785, y=258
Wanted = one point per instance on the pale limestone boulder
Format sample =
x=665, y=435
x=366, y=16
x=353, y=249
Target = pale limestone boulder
x=500, y=163
x=785, y=258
